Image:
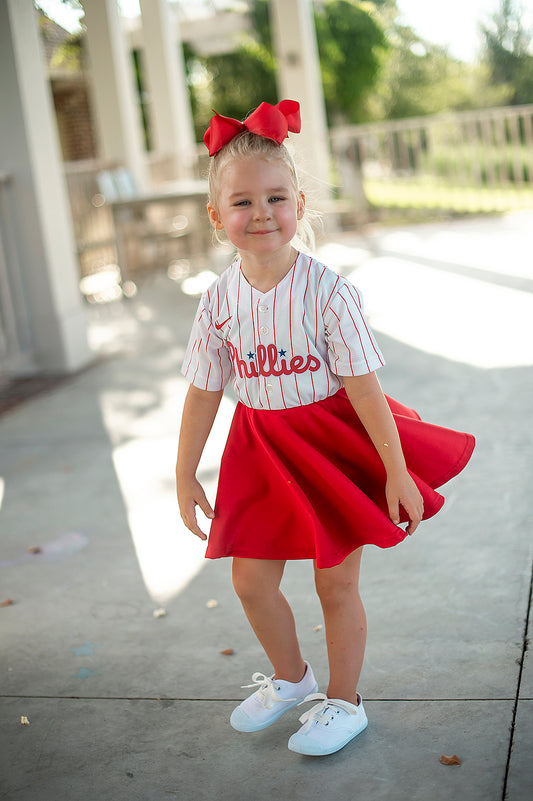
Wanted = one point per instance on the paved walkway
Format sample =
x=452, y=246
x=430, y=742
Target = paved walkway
x=126, y=705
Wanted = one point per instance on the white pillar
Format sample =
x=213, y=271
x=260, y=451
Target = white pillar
x=170, y=109
x=114, y=96
x=41, y=225
x=299, y=79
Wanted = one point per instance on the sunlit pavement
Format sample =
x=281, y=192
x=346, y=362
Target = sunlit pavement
x=123, y=704
x=462, y=291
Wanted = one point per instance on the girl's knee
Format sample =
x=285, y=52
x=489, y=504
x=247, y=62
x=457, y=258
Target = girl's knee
x=335, y=585
x=255, y=579
x=334, y=591
x=244, y=585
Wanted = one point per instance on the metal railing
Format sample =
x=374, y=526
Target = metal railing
x=465, y=161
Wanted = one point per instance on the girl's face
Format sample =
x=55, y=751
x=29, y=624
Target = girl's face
x=257, y=206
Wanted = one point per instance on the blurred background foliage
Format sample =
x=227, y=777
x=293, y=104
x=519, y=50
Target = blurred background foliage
x=373, y=67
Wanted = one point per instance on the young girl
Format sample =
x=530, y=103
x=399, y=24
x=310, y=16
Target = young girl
x=318, y=461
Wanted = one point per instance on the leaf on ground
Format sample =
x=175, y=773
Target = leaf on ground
x=24, y=720
x=160, y=612
x=35, y=549
x=228, y=652
x=450, y=760
x=7, y=602
x=319, y=627
x=212, y=604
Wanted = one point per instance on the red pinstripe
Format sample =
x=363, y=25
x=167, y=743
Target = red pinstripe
x=342, y=337
x=290, y=334
x=257, y=328
x=276, y=341
x=358, y=332
x=332, y=291
x=359, y=303
x=316, y=304
x=198, y=362
x=186, y=367
x=239, y=280
x=303, y=324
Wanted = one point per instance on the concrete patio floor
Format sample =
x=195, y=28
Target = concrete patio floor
x=126, y=705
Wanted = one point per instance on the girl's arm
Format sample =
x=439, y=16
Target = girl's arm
x=199, y=413
x=370, y=404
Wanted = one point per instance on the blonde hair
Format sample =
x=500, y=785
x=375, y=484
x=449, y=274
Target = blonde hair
x=250, y=145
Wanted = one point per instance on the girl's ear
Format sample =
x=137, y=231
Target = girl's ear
x=214, y=219
x=300, y=207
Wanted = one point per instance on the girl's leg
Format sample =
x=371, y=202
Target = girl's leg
x=256, y=582
x=345, y=623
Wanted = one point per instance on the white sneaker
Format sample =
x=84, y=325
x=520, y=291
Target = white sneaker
x=328, y=726
x=273, y=698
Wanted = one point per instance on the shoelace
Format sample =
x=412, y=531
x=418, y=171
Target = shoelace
x=324, y=711
x=267, y=690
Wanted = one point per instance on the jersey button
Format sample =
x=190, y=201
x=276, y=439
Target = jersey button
x=263, y=308
x=269, y=387
x=264, y=329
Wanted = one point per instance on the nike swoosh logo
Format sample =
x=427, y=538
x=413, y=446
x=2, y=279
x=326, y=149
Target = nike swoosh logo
x=219, y=326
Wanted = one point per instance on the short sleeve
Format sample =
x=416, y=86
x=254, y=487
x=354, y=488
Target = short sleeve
x=207, y=364
x=352, y=348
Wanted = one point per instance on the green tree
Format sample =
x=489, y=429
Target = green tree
x=506, y=52
x=418, y=78
x=234, y=83
x=351, y=44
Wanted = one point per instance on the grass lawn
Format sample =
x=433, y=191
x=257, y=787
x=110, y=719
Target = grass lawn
x=432, y=194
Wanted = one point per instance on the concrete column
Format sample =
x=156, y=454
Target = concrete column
x=41, y=225
x=299, y=79
x=114, y=96
x=170, y=109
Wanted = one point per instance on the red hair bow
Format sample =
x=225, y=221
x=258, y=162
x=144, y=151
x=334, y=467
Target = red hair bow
x=273, y=122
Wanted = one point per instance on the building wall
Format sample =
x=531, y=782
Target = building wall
x=74, y=122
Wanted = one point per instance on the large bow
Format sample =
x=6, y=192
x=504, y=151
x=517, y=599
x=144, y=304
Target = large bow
x=273, y=122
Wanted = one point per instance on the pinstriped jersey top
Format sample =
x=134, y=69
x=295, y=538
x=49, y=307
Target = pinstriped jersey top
x=282, y=348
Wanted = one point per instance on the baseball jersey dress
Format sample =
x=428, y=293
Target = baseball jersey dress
x=299, y=476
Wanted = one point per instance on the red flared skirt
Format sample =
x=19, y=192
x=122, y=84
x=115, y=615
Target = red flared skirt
x=307, y=482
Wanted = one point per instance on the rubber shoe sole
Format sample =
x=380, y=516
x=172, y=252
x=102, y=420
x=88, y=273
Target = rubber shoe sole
x=328, y=726
x=242, y=722
x=312, y=748
x=266, y=705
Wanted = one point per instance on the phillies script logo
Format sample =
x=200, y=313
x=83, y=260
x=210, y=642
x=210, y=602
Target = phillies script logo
x=270, y=361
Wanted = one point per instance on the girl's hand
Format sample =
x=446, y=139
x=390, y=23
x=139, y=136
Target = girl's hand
x=199, y=411
x=401, y=489
x=190, y=495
